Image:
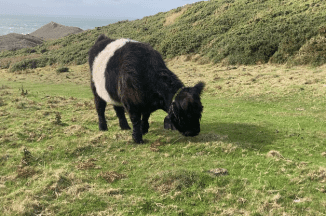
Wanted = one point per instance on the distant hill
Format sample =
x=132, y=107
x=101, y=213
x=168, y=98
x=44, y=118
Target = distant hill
x=227, y=31
x=54, y=30
x=14, y=41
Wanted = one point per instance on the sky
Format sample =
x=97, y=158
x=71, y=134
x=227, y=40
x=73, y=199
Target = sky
x=103, y=9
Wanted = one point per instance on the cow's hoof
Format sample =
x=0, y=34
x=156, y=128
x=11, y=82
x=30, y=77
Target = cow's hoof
x=103, y=128
x=145, y=131
x=144, y=128
x=139, y=141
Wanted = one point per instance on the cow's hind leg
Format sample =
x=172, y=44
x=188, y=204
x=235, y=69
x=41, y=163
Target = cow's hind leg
x=135, y=118
x=100, y=105
x=122, y=118
x=144, y=123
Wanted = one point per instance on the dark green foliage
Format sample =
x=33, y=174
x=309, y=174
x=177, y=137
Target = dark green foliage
x=239, y=31
x=32, y=63
x=25, y=64
x=27, y=159
x=62, y=69
x=30, y=50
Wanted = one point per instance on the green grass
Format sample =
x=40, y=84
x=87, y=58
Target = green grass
x=267, y=131
x=228, y=31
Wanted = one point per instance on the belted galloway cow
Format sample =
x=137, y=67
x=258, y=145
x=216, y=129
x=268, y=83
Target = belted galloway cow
x=133, y=77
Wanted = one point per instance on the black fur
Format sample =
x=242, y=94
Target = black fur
x=139, y=79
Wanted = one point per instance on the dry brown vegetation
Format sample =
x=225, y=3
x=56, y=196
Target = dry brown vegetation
x=241, y=80
x=234, y=81
x=172, y=16
x=78, y=74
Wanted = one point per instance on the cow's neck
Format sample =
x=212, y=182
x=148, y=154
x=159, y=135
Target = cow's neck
x=172, y=95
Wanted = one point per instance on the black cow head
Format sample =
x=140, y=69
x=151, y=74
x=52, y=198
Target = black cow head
x=185, y=111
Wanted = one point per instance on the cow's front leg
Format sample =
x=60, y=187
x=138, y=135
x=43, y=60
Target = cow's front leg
x=144, y=123
x=100, y=105
x=120, y=111
x=136, y=123
x=168, y=124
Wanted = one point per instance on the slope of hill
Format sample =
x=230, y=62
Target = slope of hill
x=14, y=41
x=228, y=31
x=54, y=30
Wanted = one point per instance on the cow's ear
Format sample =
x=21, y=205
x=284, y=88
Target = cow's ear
x=101, y=37
x=199, y=87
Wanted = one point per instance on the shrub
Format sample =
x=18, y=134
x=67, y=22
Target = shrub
x=23, y=65
x=312, y=52
x=31, y=64
x=62, y=69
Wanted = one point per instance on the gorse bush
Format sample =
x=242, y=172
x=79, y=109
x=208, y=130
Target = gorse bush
x=62, y=69
x=32, y=63
x=235, y=31
x=312, y=52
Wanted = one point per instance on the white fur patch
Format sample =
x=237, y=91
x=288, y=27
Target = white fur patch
x=99, y=67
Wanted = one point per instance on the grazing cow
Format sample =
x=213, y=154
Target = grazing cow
x=132, y=76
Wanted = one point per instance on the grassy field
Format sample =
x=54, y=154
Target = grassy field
x=261, y=150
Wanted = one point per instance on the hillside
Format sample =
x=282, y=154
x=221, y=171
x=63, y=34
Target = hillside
x=14, y=41
x=228, y=31
x=54, y=30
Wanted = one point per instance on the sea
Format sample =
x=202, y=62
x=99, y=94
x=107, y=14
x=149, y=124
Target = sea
x=25, y=24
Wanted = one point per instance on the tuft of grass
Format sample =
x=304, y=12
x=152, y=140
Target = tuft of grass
x=180, y=180
x=25, y=172
x=57, y=118
x=111, y=176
